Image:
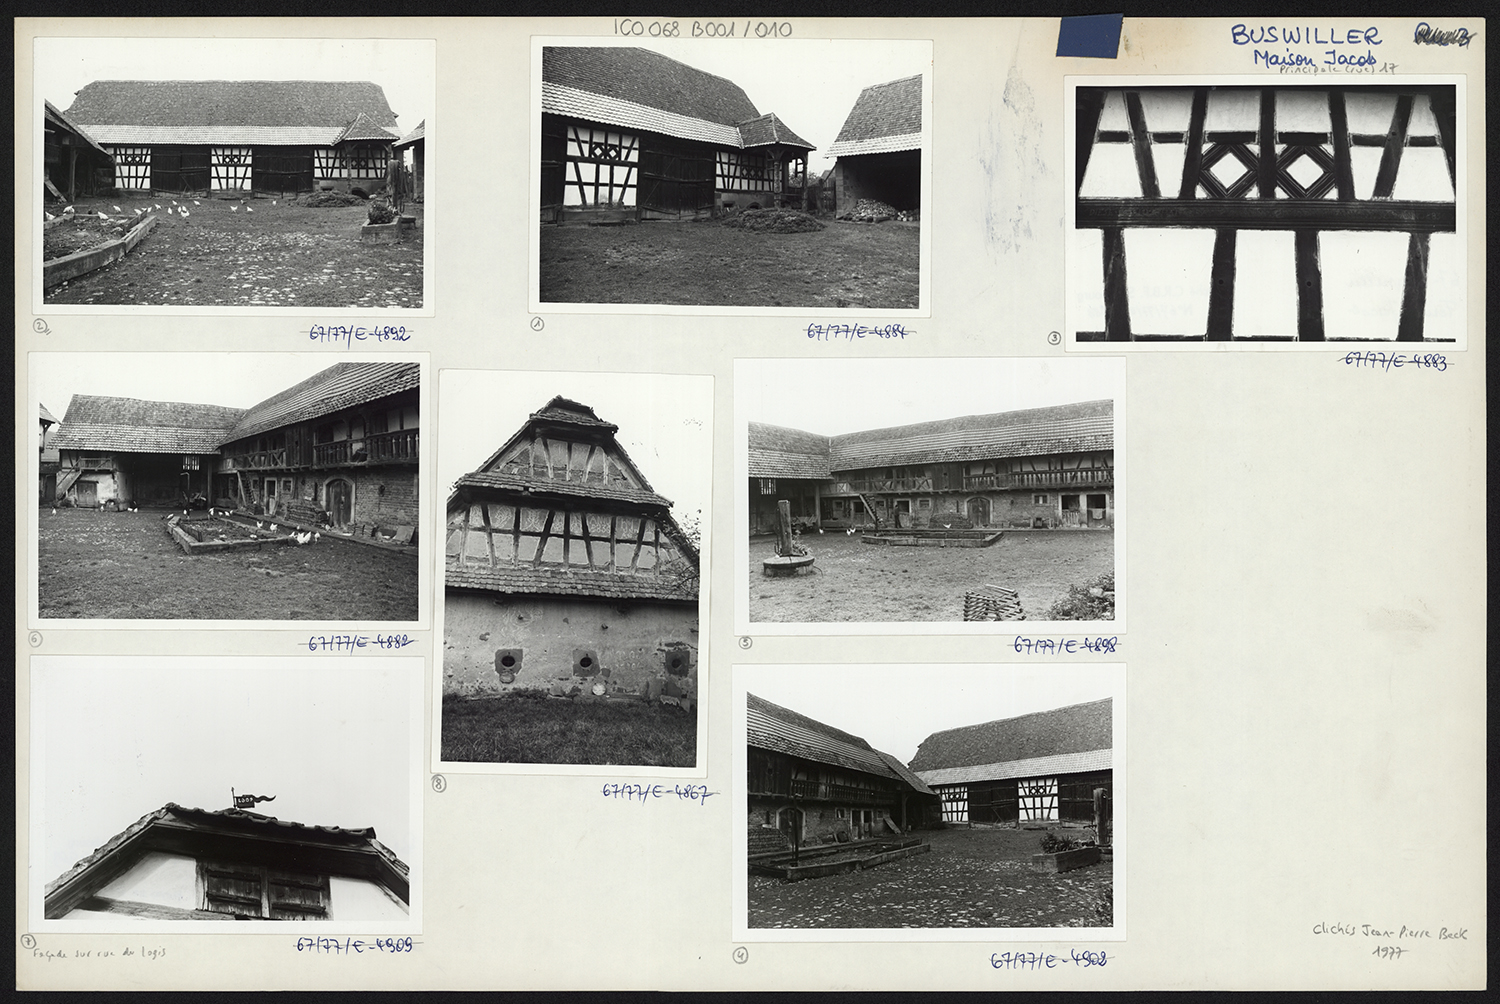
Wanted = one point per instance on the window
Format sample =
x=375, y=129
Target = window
x=924, y=503
x=189, y=463
x=254, y=892
x=768, y=486
x=1041, y=499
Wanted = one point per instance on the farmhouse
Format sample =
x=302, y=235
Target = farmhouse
x=879, y=148
x=811, y=783
x=340, y=448
x=48, y=457
x=1040, y=767
x=74, y=162
x=631, y=134
x=415, y=142
x=1041, y=467
x=566, y=571
x=232, y=864
x=284, y=136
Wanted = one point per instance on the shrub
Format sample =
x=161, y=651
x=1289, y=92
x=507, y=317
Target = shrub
x=381, y=213
x=1081, y=603
x=1053, y=844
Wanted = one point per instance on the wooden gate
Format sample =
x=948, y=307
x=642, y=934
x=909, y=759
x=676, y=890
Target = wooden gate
x=286, y=169
x=180, y=168
x=340, y=502
x=676, y=180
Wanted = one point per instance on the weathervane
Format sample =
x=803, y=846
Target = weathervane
x=248, y=801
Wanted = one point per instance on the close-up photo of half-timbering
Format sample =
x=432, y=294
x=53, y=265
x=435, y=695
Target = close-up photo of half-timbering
x=1249, y=213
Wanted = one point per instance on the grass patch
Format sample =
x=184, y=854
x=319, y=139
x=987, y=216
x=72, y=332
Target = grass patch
x=977, y=877
x=844, y=265
x=854, y=581
x=530, y=727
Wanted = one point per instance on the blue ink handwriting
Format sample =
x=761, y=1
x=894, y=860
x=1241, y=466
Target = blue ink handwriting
x=347, y=643
x=1426, y=34
x=1388, y=361
x=355, y=946
x=1083, y=959
x=646, y=792
x=347, y=334
x=150, y=954
x=1065, y=646
x=850, y=332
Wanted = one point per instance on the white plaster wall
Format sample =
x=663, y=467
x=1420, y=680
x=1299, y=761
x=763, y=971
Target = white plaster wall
x=358, y=899
x=159, y=879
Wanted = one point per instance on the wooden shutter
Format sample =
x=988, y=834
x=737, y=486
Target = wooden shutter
x=233, y=889
x=293, y=896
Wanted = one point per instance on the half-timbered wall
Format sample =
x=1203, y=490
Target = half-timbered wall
x=229, y=167
x=327, y=165
x=745, y=171
x=132, y=167
x=600, y=166
x=564, y=460
x=498, y=534
x=366, y=161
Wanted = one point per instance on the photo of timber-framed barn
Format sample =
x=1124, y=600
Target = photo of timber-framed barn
x=234, y=136
x=630, y=134
x=339, y=449
x=567, y=573
x=879, y=148
x=1049, y=467
x=809, y=783
x=1037, y=768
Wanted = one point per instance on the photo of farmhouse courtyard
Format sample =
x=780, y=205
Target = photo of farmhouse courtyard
x=303, y=506
x=1001, y=516
x=230, y=192
x=571, y=590
x=999, y=824
x=664, y=182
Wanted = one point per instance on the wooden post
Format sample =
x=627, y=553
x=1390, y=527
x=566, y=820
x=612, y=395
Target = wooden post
x=784, y=528
x=817, y=506
x=1100, y=823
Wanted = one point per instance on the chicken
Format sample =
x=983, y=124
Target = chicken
x=117, y=209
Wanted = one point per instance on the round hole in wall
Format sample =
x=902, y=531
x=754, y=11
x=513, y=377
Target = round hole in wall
x=585, y=662
x=507, y=661
x=676, y=662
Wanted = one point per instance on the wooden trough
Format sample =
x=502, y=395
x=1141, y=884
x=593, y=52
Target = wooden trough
x=189, y=538
x=837, y=859
x=60, y=270
x=934, y=538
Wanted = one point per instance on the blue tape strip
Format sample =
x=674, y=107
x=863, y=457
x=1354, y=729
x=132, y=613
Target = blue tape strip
x=1096, y=35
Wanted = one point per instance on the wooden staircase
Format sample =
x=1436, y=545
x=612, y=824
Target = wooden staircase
x=869, y=508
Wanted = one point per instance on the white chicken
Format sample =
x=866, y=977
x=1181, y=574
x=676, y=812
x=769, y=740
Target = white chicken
x=117, y=209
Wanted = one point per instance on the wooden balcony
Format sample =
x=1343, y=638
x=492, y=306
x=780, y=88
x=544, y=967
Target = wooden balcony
x=1076, y=477
x=384, y=448
x=825, y=791
x=885, y=485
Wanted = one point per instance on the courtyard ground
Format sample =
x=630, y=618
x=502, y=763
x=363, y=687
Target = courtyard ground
x=263, y=252
x=977, y=877
x=531, y=727
x=706, y=264
x=95, y=563
x=854, y=581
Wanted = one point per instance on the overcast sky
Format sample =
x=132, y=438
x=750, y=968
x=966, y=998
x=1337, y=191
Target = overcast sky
x=404, y=68
x=123, y=736
x=666, y=423
x=833, y=396
x=233, y=379
x=894, y=708
x=811, y=84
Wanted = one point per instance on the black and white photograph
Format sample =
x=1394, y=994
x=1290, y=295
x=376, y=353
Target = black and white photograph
x=233, y=173
x=1220, y=211
x=573, y=569
x=742, y=175
x=983, y=799
x=175, y=793
x=227, y=487
x=904, y=492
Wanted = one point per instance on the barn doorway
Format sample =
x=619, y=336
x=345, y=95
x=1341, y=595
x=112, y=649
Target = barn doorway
x=270, y=496
x=340, y=502
x=1072, y=510
x=979, y=511
x=88, y=494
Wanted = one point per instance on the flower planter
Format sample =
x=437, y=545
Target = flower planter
x=408, y=222
x=1065, y=861
x=380, y=232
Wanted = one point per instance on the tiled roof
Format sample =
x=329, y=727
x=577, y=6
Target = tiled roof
x=234, y=820
x=778, y=452
x=768, y=130
x=363, y=127
x=561, y=409
x=58, y=118
x=417, y=135
x=45, y=415
x=647, y=78
x=640, y=89
x=139, y=135
x=1076, y=729
x=536, y=580
x=129, y=425
x=236, y=104
x=560, y=99
x=883, y=112
x=1067, y=428
x=771, y=727
x=1042, y=766
x=343, y=385
x=517, y=484
x=905, y=774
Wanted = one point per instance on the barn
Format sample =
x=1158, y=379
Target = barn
x=630, y=134
x=1035, y=768
x=566, y=572
x=74, y=162
x=1037, y=467
x=810, y=783
x=879, y=148
x=177, y=863
x=233, y=136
